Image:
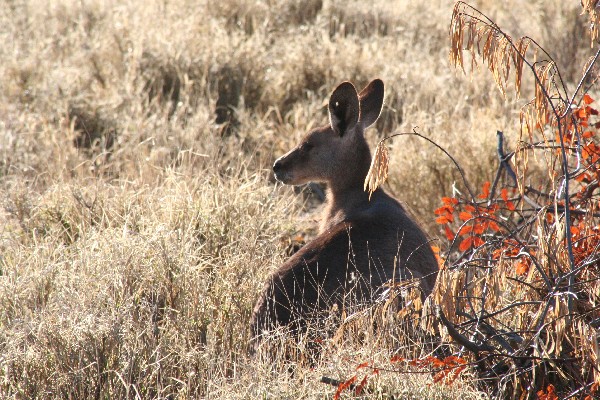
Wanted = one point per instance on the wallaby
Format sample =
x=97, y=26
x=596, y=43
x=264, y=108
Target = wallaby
x=362, y=242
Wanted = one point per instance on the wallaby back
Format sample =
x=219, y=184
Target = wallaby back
x=363, y=243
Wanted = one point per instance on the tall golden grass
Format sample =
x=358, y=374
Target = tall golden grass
x=139, y=217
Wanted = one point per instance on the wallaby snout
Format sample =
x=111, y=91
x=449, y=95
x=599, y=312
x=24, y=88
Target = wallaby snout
x=292, y=168
x=280, y=175
x=284, y=167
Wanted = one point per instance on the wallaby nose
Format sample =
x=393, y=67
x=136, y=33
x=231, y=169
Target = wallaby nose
x=277, y=166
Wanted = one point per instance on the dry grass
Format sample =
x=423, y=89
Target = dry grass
x=138, y=217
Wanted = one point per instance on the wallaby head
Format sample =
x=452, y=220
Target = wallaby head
x=337, y=153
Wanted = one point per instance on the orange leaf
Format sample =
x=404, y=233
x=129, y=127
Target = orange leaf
x=522, y=266
x=449, y=233
x=437, y=378
x=486, y=190
x=465, y=216
x=436, y=362
x=494, y=226
x=361, y=386
x=585, y=177
x=343, y=386
x=470, y=208
x=587, y=134
x=444, y=210
x=444, y=219
x=504, y=194
x=510, y=205
x=479, y=228
x=550, y=393
x=587, y=99
x=397, y=359
x=465, y=244
x=365, y=364
x=477, y=241
x=496, y=254
x=454, y=360
x=465, y=230
x=587, y=151
x=451, y=201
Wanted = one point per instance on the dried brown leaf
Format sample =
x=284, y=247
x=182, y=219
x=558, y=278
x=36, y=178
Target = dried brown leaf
x=591, y=7
x=518, y=57
x=457, y=37
x=544, y=88
x=378, y=172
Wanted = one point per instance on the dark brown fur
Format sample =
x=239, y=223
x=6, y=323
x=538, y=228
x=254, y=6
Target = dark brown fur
x=362, y=243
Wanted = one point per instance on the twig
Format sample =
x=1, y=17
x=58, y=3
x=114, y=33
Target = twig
x=504, y=309
x=504, y=164
x=461, y=339
x=458, y=167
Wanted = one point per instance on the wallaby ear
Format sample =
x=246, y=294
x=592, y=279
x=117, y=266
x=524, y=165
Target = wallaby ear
x=344, y=108
x=371, y=102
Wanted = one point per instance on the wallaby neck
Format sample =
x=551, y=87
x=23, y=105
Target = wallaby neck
x=346, y=193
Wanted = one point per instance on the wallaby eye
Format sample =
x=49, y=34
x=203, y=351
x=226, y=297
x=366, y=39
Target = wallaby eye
x=305, y=147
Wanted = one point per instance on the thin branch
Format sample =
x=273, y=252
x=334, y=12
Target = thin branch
x=502, y=310
x=461, y=339
x=504, y=165
x=581, y=82
x=458, y=167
